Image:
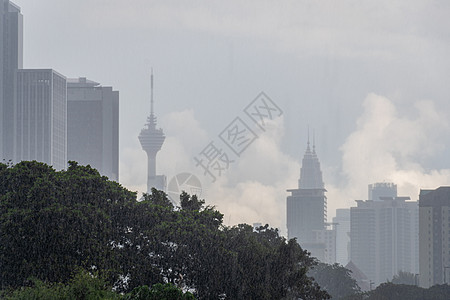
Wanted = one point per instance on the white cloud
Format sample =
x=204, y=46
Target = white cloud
x=133, y=168
x=254, y=188
x=389, y=146
x=184, y=138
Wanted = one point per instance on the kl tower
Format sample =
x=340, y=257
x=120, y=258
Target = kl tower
x=151, y=139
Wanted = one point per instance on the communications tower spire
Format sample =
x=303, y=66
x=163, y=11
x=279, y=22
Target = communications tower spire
x=152, y=139
x=152, y=118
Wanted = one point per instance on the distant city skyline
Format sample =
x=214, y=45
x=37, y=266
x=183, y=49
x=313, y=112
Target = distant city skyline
x=371, y=78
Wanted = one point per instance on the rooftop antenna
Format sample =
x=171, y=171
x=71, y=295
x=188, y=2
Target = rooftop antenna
x=314, y=141
x=151, y=93
x=308, y=139
x=151, y=118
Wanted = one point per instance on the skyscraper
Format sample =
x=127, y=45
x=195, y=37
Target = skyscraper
x=11, y=52
x=40, y=117
x=93, y=126
x=151, y=139
x=33, y=104
x=306, y=208
x=383, y=237
x=342, y=221
x=382, y=189
x=434, y=236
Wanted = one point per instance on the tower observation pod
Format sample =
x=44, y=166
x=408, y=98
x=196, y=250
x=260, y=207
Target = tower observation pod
x=152, y=139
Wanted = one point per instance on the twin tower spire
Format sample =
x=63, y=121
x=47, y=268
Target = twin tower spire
x=310, y=173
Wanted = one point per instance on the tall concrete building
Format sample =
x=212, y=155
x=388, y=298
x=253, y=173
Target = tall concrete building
x=342, y=223
x=383, y=237
x=382, y=189
x=326, y=238
x=151, y=139
x=11, y=59
x=40, y=117
x=33, y=104
x=306, y=209
x=93, y=126
x=434, y=236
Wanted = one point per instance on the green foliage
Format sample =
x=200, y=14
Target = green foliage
x=188, y=202
x=438, y=292
x=266, y=266
x=404, y=278
x=39, y=290
x=89, y=286
x=387, y=291
x=158, y=198
x=335, y=279
x=159, y=291
x=83, y=286
x=54, y=223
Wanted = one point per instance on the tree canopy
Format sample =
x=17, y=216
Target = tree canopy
x=389, y=290
x=335, y=279
x=405, y=278
x=55, y=222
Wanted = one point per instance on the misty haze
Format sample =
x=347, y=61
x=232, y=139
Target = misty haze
x=224, y=150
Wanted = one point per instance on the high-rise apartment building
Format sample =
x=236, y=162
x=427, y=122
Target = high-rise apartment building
x=306, y=210
x=40, y=117
x=152, y=139
x=434, y=236
x=11, y=52
x=383, y=237
x=326, y=238
x=342, y=224
x=93, y=126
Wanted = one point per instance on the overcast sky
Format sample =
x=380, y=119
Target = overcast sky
x=372, y=78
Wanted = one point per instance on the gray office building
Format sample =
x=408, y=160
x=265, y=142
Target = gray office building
x=434, y=236
x=40, y=117
x=11, y=52
x=342, y=223
x=93, y=126
x=33, y=104
x=384, y=237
